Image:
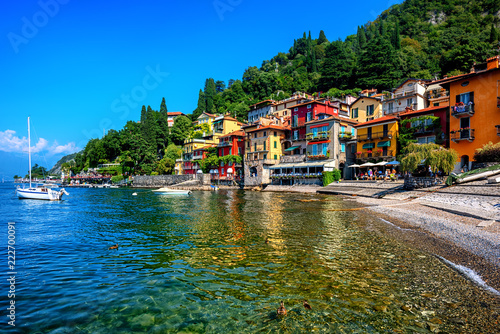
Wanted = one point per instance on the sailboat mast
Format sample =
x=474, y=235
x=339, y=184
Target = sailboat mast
x=29, y=148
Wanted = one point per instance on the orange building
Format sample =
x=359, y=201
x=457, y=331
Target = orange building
x=474, y=111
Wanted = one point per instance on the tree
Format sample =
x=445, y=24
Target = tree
x=201, y=107
x=396, y=38
x=338, y=67
x=322, y=38
x=180, y=129
x=361, y=37
x=143, y=114
x=438, y=157
x=493, y=34
x=210, y=92
x=220, y=86
x=173, y=152
x=163, y=106
x=165, y=166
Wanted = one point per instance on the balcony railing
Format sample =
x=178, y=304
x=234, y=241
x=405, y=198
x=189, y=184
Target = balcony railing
x=298, y=138
x=424, y=129
x=346, y=136
x=375, y=135
x=462, y=134
x=462, y=110
x=224, y=144
x=374, y=154
x=318, y=136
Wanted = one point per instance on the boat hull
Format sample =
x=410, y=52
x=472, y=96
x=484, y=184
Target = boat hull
x=49, y=195
x=168, y=191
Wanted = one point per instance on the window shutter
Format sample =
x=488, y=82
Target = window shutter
x=471, y=96
x=457, y=99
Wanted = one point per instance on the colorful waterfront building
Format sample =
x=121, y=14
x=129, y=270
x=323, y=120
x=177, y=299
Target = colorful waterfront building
x=205, y=118
x=171, y=116
x=409, y=94
x=230, y=144
x=366, y=108
x=474, y=113
x=192, y=152
x=377, y=139
x=425, y=129
x=303, y=113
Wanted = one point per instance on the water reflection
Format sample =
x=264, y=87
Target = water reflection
x=221, y=262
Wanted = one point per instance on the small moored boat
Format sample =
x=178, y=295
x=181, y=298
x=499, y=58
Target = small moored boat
x=170, y=191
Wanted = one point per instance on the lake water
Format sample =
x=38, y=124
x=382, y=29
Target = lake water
x=220, y=262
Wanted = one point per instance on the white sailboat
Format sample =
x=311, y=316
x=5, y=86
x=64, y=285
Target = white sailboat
x=38, y=191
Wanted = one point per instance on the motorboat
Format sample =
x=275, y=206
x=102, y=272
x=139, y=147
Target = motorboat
x=39, y=191
x=171, y=191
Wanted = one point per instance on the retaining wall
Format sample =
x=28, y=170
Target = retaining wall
x=157, y=181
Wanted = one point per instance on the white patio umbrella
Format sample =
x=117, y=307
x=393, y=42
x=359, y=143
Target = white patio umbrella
x=367, y=164
x=381, y=163
x=354, y=166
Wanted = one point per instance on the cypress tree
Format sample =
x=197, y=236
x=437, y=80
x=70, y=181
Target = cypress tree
x=163, y=106
x=201, y=105
x=322, y=37
x=210, y=94
x=314, y=64
x=361, y=37
x=396, y=38
x=143, y=114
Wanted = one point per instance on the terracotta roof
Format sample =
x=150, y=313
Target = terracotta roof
x=462, y=76
x=239, y=133
x=174, y=113
x=271, y=126
x=378, y=120
x=333, y=118
x=262, y=102
x=365, y=97
x=422, y=111
x=205, y=113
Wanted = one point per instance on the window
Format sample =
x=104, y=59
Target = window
x=342, y=129
x=352, y=132
x=308, y=117
x=369, y=133
x=284, y=113
x=255, y=135
x=275, y=144
x=222, y=163
x=342, y=147
x=275, y=133
x=390, y=108
x=296, y=135
x=308, y=106
x=325, y=149
x=239, y=150
x=465, y=98
x=264, y=146
x=315, y=149
x=295, y=121
x=409, y=102
x=275, y=157
x=295, y=109
x=325, y=128
x=370, y=110
x=255, y=147
x=265, y=156
x=354, y=113
x=315, y=132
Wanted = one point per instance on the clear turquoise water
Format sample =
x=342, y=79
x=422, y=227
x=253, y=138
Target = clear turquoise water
x=201, y=264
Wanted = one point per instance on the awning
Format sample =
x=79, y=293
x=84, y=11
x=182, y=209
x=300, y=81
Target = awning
x=369, y=145
x=386, y=143
x=230, y=170
x=292, y=148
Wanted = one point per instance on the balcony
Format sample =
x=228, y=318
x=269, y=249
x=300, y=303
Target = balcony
x=498, y=101
x=317, y=157
x=423, y=129
x=461, y=109
x=374, y=154
x=375, y=135
x=346, y=136
x=224, y=144
x=298, y=138
x=462, y=134
x=318, y=136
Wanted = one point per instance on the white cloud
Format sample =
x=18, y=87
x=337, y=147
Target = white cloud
x=9, y=142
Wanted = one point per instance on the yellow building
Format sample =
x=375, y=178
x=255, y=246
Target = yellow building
x=264, y=142
x=376, y=139
x=366, y=108
x=205, y=118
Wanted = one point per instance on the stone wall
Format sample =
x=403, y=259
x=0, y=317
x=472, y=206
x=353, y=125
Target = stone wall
x=257, y=172
x=157, y=181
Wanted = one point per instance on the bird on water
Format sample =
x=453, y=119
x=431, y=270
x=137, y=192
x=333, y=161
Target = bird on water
x=282, y=309
x=114, y=247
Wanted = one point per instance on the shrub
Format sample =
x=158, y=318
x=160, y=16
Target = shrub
x=488, y=153
x=329, y=177
x=116, y=178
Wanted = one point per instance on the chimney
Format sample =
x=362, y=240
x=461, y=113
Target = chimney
x=492, y=63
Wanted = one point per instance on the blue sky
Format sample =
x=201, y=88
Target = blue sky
x=81, y=67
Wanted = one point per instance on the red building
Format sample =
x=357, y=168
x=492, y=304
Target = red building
x=231, y=144
x=303, y=113
x=193, y=166
x=425, y=130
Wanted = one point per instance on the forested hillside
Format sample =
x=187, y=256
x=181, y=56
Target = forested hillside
x=418, y=38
